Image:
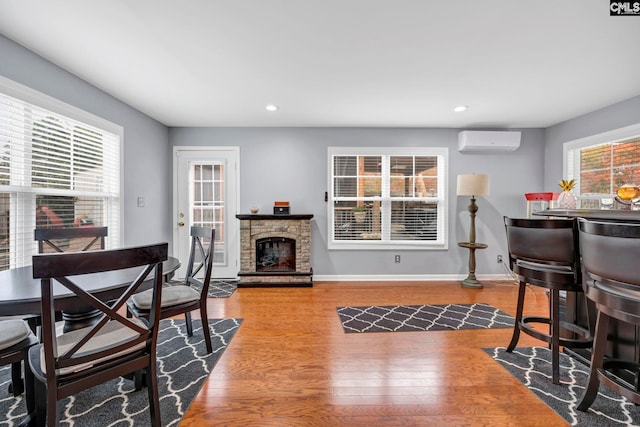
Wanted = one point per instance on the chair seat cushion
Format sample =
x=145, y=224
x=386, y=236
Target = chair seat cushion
x=111, y=334
x=13, y=331
x=171, y=295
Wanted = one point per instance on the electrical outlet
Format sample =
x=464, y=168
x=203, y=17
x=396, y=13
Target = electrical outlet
x=397, y=258
x=499, y=259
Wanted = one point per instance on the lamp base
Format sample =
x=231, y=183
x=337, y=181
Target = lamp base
x=471, y=282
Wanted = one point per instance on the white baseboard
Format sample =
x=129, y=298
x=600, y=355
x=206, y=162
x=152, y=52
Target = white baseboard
x=403, y=277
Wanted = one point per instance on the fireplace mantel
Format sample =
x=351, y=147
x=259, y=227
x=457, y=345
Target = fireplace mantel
x=276, y=217
x=294, y=228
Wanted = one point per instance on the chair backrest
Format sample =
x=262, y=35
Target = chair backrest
x=542, y=241
x=201, y=258
x=136, y=265
x=77, y=239
x=610, y=252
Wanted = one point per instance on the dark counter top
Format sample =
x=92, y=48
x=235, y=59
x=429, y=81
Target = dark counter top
x=592, y=213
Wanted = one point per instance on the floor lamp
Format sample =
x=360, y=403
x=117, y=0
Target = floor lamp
x=472, y=185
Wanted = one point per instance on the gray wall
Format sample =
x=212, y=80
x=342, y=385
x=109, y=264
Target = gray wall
x=147, y=158
x=616, y=116
x=291, y=164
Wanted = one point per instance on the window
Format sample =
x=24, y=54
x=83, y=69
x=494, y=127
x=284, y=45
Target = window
x=602, y=163
x=384, y=198
x=59, y=167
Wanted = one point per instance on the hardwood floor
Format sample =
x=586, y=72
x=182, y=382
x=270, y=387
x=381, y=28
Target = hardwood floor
x=291, y=364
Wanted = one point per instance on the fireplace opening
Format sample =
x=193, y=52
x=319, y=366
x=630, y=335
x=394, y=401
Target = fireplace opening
x=275, y=254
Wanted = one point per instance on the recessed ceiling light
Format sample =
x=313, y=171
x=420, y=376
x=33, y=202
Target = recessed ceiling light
x=460, y=108
x=271, y=107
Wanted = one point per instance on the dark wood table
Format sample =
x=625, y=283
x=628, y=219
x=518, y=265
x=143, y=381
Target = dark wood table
x=20, y=292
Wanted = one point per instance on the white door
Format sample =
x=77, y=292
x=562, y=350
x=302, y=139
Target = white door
x=206, y=194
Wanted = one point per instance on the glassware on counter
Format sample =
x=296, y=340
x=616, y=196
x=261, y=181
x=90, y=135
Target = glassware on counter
x=629, y=196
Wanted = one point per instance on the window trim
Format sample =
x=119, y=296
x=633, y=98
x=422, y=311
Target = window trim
x=609, y=137
x=442, y=199
x=38, y=99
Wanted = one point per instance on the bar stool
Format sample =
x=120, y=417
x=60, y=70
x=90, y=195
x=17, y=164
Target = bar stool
x=610, y=253
x=544, y=252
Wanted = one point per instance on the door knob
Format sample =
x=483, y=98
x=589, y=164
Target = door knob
x=181, y=224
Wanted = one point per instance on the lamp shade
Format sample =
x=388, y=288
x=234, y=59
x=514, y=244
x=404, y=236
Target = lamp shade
x=473, y=184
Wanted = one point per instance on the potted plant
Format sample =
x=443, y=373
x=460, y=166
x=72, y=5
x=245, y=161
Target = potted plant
x=359, y=213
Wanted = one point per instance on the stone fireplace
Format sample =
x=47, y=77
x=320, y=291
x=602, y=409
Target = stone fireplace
x=275, y=250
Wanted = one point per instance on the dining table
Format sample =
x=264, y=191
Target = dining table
x=20, y=293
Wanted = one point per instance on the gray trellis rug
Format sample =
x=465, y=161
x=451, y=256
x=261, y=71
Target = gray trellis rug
x=221, y=288
x=532, y=367
x=183, y=366
x=427, y=317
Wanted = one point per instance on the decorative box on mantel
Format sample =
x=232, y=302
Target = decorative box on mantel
x=275, y=251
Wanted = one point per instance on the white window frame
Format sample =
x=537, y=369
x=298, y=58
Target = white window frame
x=22, y=245
x=571, y=153
x=441, y=199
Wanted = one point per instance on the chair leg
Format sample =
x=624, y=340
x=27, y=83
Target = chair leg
x=205, y=327
x=152, y=392
x=29, y=389
x=17, y=386
x=555, y=336
x=52, y=407
x=40, y=392
x=138, y=382
x=519, y=308
x=597, y=362
x=187, y=319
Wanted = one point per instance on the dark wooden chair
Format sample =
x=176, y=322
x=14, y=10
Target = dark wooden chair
x=544, y=252
x=190, y=294
x=77, y=239
x=15, y=340
x=610, y=253
x=115, y=346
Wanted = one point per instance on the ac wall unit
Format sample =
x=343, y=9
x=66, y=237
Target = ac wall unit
x=488, y=141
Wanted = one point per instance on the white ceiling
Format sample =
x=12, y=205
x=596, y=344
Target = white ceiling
x=371, y=63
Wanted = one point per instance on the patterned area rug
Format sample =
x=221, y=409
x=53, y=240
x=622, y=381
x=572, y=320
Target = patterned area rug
x=532, y=367
x=405, y=318
x=183, y=366
x=222, y=288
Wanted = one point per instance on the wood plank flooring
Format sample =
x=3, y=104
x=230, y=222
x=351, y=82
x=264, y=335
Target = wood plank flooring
x=291, y=364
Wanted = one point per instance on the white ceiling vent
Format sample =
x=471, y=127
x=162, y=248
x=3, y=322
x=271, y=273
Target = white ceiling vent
x=488, y=141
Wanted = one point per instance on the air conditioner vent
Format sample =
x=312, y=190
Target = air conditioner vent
x=488, y=141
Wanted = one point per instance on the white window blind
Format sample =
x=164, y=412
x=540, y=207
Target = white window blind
x=387, y=198
x=55, y=172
